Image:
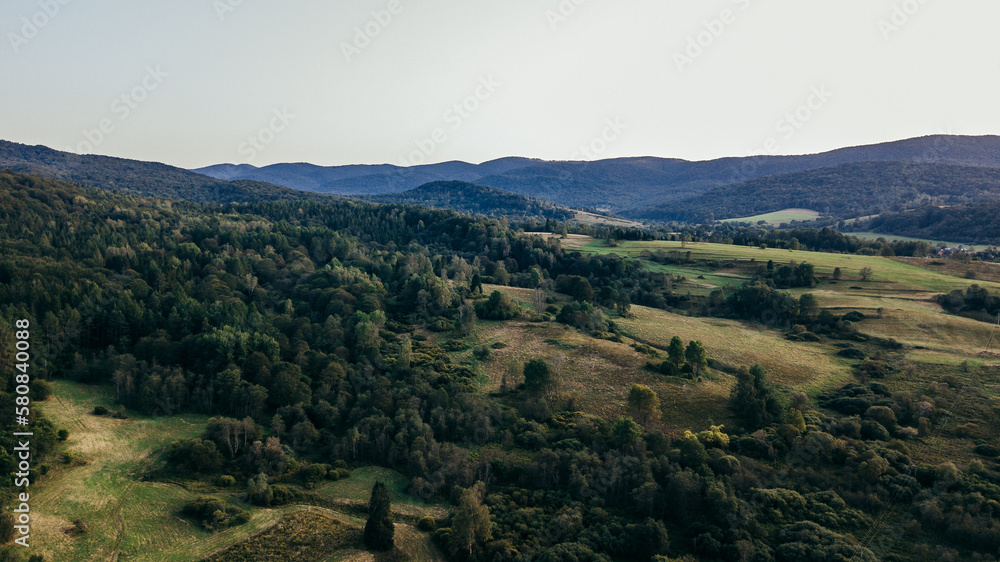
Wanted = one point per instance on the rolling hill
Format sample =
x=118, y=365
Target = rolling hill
x=614, y=184
x=150, y=179
x=476, y=199
x=845, y=191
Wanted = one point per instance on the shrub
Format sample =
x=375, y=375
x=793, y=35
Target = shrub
x=427, y=524
x=214, y=514
x=100, y=410
x=63, y=434
x=225, y=481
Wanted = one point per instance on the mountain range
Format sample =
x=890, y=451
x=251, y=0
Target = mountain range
x=628, y=186
x=901, y=177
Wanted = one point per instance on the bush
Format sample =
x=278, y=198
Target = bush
x=851, y=353
x=427, y=524
x=214, y=514
x=100, y=410
x=853, y=316
x=225, y=481
x=63, y=434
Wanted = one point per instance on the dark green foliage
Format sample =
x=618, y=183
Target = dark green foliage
x=135, y=177
x=195, y=455
x=498, y=307
x=379, y=528
x=971, y=223
x=584, y=316
x=841, y=190
x=975, y=302
x=476, y=199
x=538, y=376
x=752, y=400
x=214, y=514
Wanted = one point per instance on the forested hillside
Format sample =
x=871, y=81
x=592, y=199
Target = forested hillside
x=845, y=191
x=477, y=199
x=319, y=338
x=132, y=176
x=977, y=223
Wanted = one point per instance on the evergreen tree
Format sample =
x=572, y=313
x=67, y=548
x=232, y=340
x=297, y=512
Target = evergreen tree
x=675, y=353
x=379, y=529
x=752, y=399
x=696, y=356
x=537, y=376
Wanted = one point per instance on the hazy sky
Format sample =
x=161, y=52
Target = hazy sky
x=198, y=82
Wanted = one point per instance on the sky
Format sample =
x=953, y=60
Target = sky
x=200, y=82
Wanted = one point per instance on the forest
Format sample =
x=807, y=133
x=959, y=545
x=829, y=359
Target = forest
x=315, y=334
x=844, y=191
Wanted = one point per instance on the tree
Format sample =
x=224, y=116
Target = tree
x=675, y=353
x=696, y=356
x=379, y=528
x=866, y=273
x=538, y=377
x=752, y=400
x=837, y=273
x=644, y=404
x=808, y=306
x=471, y=524
x=625, y=432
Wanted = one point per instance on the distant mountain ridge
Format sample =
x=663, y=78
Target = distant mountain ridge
x=844, y=190
x=151, y=179
x=475, y=199
x=617, y=184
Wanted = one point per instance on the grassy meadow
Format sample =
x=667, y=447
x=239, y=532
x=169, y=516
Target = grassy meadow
x=777, y=217
x=130, y=518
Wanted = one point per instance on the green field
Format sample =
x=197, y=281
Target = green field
x=777, y=217
x=892, y=237
x=130, y=518
x=888, y=275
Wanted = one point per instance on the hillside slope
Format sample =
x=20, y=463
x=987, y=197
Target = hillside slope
x=846, y=190
x=150, y=179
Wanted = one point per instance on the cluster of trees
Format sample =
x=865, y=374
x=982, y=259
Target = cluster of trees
x=296, y=327
x=972, y=223
x=477, y=199
x=683, y=360
x=975, y=302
